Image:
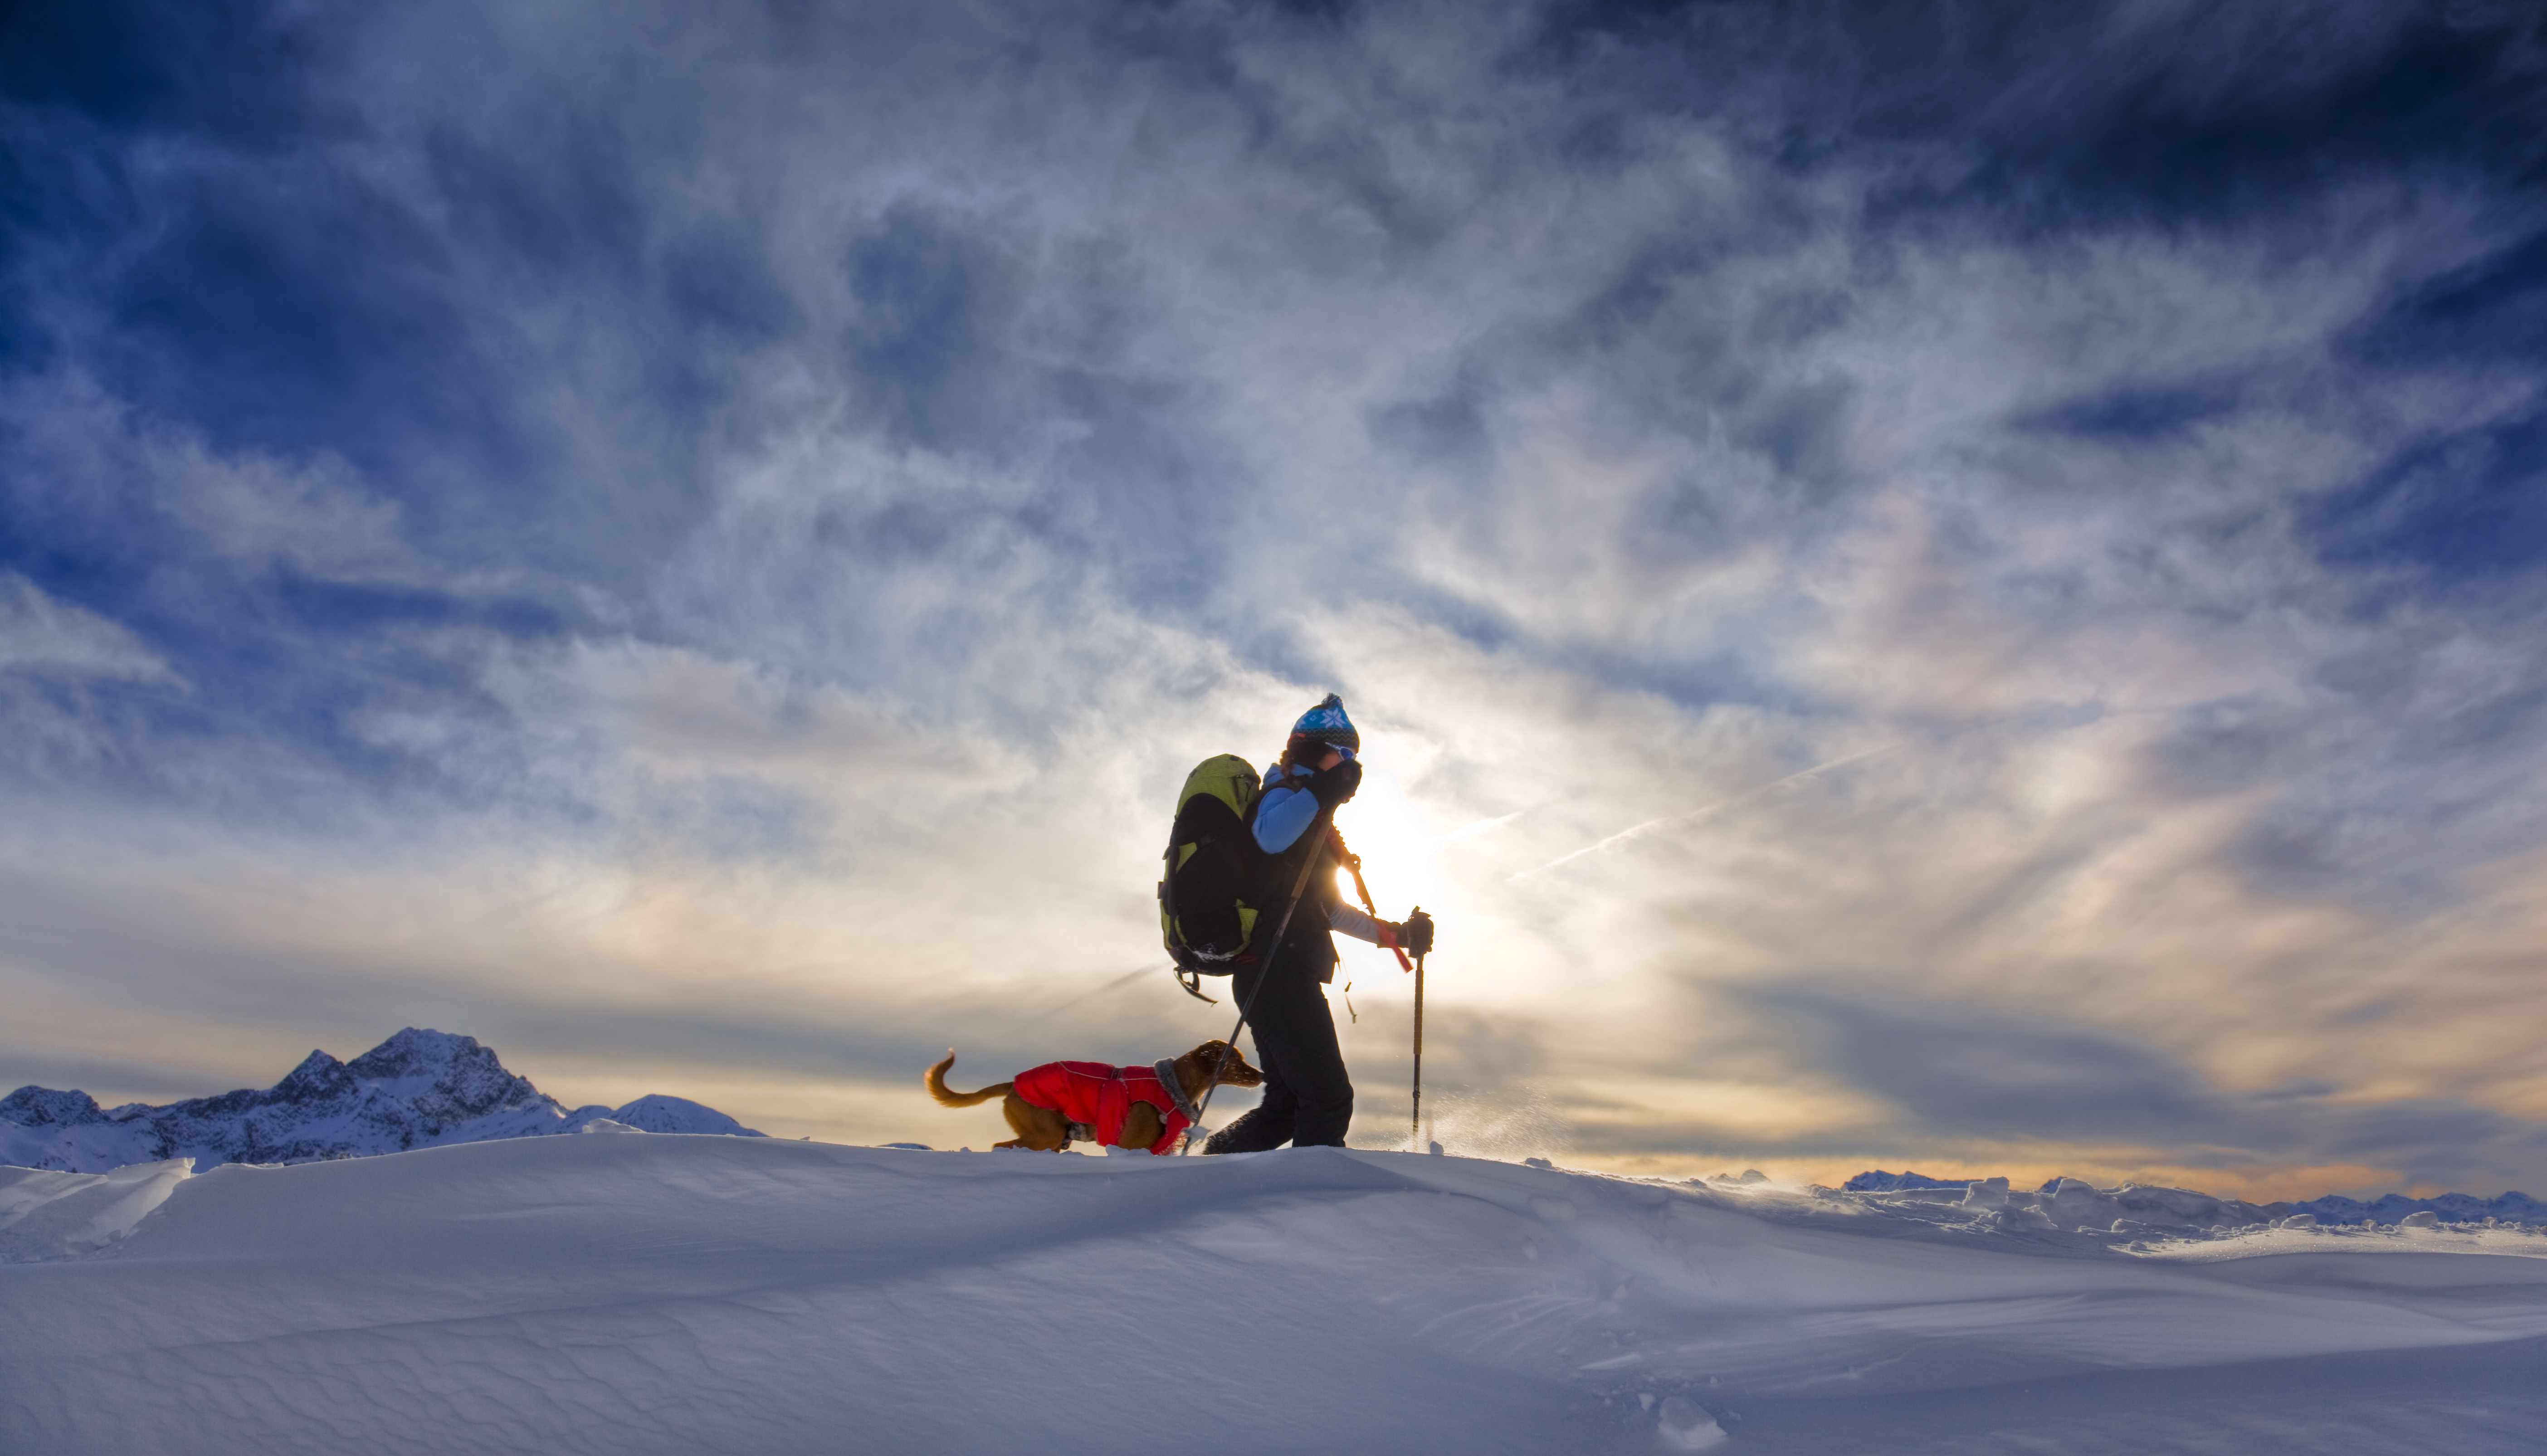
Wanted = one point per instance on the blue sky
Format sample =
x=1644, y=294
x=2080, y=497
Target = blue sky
x=1949, y=584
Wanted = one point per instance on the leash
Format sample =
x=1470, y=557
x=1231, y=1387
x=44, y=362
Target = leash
x=1272, y=948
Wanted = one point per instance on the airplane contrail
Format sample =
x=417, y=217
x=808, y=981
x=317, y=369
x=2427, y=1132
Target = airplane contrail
x=1118, y=984
x=1638, y=831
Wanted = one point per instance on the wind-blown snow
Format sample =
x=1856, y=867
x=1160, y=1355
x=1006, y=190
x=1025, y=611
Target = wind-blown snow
x=638, y=1293
x=418, y=1090
x=57, y=1215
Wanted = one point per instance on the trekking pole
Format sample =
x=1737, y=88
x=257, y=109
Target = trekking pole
x=1352, y=863
x=1299, y=886
x=1415, y=1136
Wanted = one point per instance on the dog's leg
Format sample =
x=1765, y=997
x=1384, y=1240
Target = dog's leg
x=1042, y=1129
x=1142, y=1126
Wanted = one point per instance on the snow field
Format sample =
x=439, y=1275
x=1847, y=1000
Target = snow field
x=649, y=1293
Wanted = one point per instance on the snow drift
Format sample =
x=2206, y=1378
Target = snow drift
x=417, y=1090
x=639, y=1294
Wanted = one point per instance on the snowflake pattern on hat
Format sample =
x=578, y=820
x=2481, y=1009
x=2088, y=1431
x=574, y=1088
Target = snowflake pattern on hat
x=1327, y=723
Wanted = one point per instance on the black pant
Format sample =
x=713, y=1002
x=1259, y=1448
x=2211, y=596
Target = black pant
x=1308, y=1098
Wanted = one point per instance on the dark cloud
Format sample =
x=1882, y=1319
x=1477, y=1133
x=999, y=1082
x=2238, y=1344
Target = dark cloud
x=2157, y=413
x=2031, y=119
x=199, y=69
x=2437, y=741
x=932, y=308
x=2041, y=125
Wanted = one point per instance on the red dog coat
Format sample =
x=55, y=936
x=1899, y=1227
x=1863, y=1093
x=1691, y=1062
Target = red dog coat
x=1102, y=1097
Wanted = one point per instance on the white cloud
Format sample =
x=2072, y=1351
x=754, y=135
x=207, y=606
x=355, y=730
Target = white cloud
x=40, y=635
x=921, y=433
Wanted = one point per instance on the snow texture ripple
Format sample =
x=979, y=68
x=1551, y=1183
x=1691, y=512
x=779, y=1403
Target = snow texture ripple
x=644, y=1294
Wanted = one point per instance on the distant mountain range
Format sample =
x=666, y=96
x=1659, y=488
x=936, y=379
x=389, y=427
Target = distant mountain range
x=417, y=1090
x=2334, y=1208
x=426, y=1088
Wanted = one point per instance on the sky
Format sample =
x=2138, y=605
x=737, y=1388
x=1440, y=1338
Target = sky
x=1935, y=585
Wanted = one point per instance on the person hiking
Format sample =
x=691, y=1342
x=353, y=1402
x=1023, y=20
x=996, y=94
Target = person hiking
x=1308, y=1097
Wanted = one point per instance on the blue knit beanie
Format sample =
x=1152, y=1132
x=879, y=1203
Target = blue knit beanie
x=1327, y=723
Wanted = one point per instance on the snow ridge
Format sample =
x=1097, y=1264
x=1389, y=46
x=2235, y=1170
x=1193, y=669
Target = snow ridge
x=420, y=1088
x=650, y=1296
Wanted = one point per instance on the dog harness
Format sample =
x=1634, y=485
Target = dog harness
x=1096, y=1098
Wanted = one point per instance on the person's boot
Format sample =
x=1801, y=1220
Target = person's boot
x=1254, y=1132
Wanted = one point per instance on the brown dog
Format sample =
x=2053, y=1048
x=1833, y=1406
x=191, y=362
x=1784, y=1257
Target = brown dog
x=1051, y=1128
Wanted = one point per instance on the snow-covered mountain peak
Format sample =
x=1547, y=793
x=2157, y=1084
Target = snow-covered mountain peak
x=657, y=1113
x=318, y=1077
x=36, y=1107
x=445, y=1076
x=417, y=1090
x=2065, y=1202
x=417, y=1051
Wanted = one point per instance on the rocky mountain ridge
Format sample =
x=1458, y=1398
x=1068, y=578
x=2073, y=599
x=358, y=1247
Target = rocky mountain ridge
x=2063, y=1201
x=420, y=1088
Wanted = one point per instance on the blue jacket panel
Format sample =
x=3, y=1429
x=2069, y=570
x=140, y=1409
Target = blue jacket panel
x=1285, y=811
x=1282, y=816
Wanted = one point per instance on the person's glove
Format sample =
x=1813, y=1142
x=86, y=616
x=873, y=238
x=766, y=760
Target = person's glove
x=1417, y=933
x=1334, y=786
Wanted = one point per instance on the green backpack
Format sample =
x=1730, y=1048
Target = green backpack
x=1212, y=870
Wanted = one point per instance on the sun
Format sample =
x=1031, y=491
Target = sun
x=1400, y=853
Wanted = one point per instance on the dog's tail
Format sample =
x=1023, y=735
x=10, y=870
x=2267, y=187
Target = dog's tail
x=937, y=1089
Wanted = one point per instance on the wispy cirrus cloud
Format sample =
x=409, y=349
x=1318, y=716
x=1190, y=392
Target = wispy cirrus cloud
x=750, y=516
